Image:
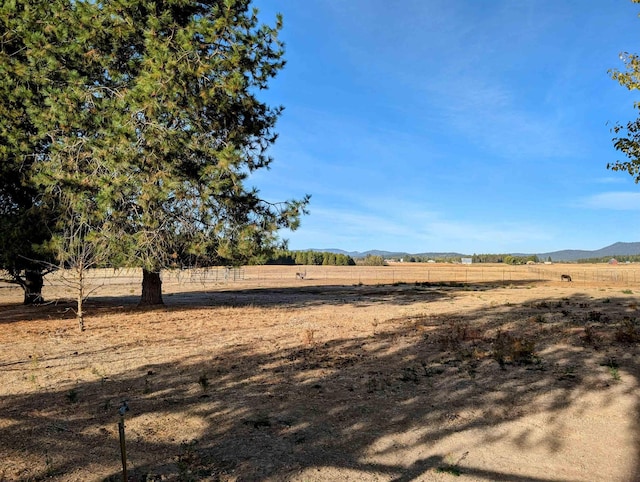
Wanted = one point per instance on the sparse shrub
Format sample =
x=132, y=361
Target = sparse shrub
x=188, y=460
x=456, y=333
x=377, y=382
x=50, y=468
x=308, y=336
x=33, y=379
x=627, y=292
x=522, y=350
x=203, y=381
x=612, y=366
x=539, y=318
x=615, y=374
x=459, y=331
x=72, y=396
x=430, y=371
x=510, y=349
x=590, y=337
x=452, y=468
x=409, y=374
x=628, y=331
x=568, y=373
x=595, y=316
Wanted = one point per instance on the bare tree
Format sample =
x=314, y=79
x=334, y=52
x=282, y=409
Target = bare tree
x=81, y=254
x=79, y=245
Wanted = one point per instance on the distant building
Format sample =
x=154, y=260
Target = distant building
x=466, y=260
x=613, y=261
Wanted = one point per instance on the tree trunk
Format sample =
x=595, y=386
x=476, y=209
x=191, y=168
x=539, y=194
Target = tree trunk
x=32, y=286
x=151, y=288
x=80, y=296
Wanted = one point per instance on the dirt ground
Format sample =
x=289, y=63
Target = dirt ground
x=470, y=376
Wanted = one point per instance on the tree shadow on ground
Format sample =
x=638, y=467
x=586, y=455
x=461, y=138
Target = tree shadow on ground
x=399, y=293
x=385, y=406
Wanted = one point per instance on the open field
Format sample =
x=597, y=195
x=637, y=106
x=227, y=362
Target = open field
x=399, y=373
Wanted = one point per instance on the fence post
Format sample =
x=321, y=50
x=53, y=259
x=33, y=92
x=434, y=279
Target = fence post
x=123, y=448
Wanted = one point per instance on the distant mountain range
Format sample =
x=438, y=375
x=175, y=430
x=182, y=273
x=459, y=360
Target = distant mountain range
x=616, y=249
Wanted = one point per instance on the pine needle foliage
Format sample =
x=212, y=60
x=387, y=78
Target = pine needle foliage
x=142, y=122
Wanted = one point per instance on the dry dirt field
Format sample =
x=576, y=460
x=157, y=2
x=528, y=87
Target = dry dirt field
x=401, y=373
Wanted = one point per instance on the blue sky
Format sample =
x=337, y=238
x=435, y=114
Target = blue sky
x=475, y=126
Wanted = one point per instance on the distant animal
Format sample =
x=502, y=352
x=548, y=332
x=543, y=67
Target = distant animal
x=301, y=274
x=565, y=277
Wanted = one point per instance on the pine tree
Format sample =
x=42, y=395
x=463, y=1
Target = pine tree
x=25, y=219
x=153, y=126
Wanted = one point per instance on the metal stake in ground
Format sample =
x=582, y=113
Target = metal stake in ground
x=124, y=408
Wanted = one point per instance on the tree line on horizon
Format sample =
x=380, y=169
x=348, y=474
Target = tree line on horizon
x=309, y=257
x=318, y=258
x=632, y=258
x=327, y=258
x=476, y=258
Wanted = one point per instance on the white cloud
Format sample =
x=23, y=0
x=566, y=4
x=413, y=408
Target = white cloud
x=413, y=230
x=488, y=113
x=612, y=180
x=619, y=201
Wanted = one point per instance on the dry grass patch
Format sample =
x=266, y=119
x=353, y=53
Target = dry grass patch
x=327, y=381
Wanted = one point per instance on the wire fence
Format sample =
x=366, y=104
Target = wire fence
x=128, y=281
x=425, y=273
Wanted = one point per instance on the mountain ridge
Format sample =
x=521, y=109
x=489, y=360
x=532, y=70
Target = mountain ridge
x=616, y=249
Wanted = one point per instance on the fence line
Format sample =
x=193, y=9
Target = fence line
x=399, y=273
x=445, y=273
